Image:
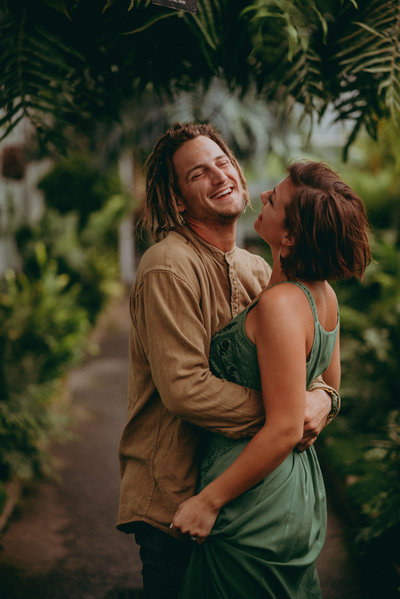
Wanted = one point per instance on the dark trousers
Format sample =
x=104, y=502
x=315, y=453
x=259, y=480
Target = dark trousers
x=164, y=560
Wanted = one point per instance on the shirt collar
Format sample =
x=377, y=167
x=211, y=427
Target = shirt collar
x=191, y=236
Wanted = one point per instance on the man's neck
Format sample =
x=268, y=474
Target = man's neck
x=221, y=236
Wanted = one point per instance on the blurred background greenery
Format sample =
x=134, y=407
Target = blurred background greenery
x=85, y=90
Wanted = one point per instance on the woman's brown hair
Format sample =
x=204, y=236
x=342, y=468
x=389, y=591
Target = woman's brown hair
x=161, y=212
x=328, y=223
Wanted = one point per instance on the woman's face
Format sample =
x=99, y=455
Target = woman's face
x=270, y=224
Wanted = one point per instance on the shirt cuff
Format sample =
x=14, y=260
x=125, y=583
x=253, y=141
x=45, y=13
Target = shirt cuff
x=335, y=403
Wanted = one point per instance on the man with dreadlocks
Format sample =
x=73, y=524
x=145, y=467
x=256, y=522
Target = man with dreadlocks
x=190, y=284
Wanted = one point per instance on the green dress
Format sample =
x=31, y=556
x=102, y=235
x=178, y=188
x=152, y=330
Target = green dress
x=264, y=543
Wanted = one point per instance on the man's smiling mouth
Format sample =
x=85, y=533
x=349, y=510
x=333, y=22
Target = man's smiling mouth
x=223, y=193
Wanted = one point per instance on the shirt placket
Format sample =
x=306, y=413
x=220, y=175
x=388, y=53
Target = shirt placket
x=234, y=286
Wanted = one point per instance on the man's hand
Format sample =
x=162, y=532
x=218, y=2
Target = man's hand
x=318, y=406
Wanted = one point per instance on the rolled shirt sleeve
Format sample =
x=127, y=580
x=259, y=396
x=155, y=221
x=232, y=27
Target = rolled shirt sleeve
x=175, y=336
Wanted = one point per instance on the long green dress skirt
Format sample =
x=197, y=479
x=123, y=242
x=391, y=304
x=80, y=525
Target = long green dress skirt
x=264, y=543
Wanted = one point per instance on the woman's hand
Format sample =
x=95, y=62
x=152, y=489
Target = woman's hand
x=195, y=517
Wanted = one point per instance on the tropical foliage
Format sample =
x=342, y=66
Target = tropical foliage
x=66, y=62
x=69, y=272
x=43, y=330
x=361, y=448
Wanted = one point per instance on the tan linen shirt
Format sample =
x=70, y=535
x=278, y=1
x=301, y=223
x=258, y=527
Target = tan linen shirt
x=186, y=290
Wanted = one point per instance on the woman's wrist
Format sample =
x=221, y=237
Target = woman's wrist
x=211, y=498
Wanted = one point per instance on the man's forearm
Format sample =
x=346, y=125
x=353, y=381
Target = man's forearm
x=214, y=404
x=333, y=394
x=176, y=347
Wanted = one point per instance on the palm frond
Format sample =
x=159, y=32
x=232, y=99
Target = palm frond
x=287, y=66
x=209, y=29
x=62, y=61
x=39, y=75
x=284, y=25
x=369, y=59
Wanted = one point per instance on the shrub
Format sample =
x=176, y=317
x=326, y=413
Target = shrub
x=42, y=333
x=362, y=445
x=77, y=185
x=88, y=257
x=69, y=271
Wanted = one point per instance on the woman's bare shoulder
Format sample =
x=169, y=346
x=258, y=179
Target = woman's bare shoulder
x=283, y=301
x=281, y=292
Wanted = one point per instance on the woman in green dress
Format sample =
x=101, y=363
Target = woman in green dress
x=259, y=518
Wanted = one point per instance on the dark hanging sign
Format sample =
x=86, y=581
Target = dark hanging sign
x=188, y=5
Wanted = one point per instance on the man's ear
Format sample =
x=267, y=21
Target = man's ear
x=180, y=204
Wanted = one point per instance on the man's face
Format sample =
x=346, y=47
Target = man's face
x=210, y=188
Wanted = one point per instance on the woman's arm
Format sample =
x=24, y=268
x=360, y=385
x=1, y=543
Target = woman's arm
x=280, y=337
x=332, y=374
x=316, y=414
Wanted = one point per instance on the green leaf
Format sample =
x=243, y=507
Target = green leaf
x=151, y=22
x=58, y=5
